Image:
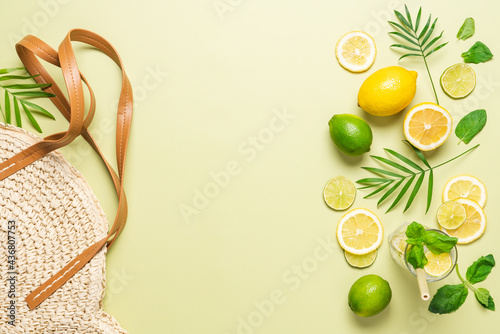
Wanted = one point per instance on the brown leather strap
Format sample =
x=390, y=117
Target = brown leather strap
x=29, y=50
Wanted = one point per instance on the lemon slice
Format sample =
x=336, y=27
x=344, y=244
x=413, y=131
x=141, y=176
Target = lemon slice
x=339, y=193
x=474, y=225
x=360, y=232
x=465, y=186
x=451, y=215
x=437, y=265
x=399, y=243
x=360, y=261
x=427, y=126
x=356, y=51
x=458, y=80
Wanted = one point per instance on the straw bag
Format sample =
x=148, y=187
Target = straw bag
x=53, y=232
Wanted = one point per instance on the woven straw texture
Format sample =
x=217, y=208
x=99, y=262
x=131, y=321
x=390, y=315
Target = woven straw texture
x=57, y=217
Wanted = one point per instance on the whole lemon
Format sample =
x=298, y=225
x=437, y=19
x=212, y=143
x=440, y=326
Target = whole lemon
x=369, y=295
x=351, y=134
x=387, y=91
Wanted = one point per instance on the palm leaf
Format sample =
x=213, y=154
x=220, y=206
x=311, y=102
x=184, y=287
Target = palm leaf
x=31, y=118
x=371, y=180
x=417, y=41
x=414, y=193
x=16, y=93
x=7, y=107
x=389, y=192
x=395, y=180
x=404, y=159
x=392, y=164
x=381, y=171
x=10, y=70
x=17, y=113
x=402, y=193
x=378, y=190
x=429, y=190
x=435, y=49
x=406, y=47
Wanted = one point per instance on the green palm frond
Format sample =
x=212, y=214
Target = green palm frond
x=16, y=97
x=420, y=42
x=402, y=175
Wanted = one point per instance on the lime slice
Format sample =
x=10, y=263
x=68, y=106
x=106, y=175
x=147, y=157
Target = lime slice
x=458, y=81
x=451, y=215
x=339, y=193
x=360, y=261
x=437, y=265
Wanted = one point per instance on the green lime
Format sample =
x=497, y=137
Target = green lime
x=369, y=295
x=351, y=134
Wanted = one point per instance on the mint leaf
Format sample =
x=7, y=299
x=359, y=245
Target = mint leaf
x=470, y=125
x=448, y=298
x=437, y=242
x=415, y=231
x=478, y=53
x=491, y=304
x=480, y=269
x=482, y=296
x=416, y=256
x=467, y=29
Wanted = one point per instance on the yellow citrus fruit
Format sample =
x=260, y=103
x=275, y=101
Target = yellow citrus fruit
x=360, y=232
x=369, y=295
x=465, y=186
x=451, y=215
x=458, y=80
x=360, y=261
x=474, y=225
x=356, y=51
x=387, y=91
x=427, y=126
x=339, y=193
x=437, y=265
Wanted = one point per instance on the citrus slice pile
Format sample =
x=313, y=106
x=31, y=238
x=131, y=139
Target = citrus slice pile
x=356, y=51
x=465, y=186
x=451, y=215
x=474, y=225
x=360, y=232
x=458, y=80
x=427, y=126
x=339, y=193
x=437, y=265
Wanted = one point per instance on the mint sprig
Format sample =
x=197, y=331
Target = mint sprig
x=435, y=241
x=449, y=298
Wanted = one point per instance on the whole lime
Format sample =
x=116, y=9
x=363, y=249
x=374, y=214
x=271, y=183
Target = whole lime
x=369, y=295
x=351, y=134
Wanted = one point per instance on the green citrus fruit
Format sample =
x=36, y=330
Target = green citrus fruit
x=351, y=134
x=369, y=295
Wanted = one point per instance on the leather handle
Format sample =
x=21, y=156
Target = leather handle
x=29, y=50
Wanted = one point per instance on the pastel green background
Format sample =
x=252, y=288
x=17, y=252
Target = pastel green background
x=257, y=253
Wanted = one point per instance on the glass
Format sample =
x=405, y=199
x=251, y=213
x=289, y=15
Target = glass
x=398, y=248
